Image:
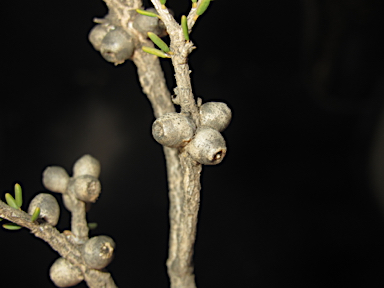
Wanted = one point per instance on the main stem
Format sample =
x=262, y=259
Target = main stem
x=183, y=172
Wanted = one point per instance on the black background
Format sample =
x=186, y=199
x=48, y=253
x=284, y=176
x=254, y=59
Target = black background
x=294, y=203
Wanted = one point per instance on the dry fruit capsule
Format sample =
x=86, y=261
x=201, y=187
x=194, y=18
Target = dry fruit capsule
x=173, y=129
x=97, y=252
x=207, y=147
x=64, y=274
x=117, y=46
x=55, y=179
x=216, y=115
x=97, y=34
x=49, y=208
x=145, y=24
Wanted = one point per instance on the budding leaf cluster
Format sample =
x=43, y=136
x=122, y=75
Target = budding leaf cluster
x=16, y=203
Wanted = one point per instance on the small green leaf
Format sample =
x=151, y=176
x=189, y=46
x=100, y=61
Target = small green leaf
x=202, y=7
x=163, y=2
x=160, y=43
x=18, y=195
x=184, y=25
x=156, y=52
x=11, y=226
x=92, y=225
x=147, y=13
x=10, y=201
x=35, y=214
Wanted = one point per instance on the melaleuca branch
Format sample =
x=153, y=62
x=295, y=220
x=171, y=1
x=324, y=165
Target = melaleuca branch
x=190, y=139
x=58, y=242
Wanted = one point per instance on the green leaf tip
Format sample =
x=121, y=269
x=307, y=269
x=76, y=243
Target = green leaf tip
x=156, y=52
x=18, y=195
x=147, y=13
x=92, y=225
x=202, y=7
x=11, y=226
x=184, y=25
x=163, y=2
x=10, y=201
x=160, y=43
x=35, y=214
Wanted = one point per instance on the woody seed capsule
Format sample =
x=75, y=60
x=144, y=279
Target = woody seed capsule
x=97, y=252
x=49, y=208
x=97, y=34
x=207, y=147
x=117, y=46
x=64, y=274
x=216, y=115
x=145, y=24
x=85, y=188
x=173, y=129
x=55, y=179
x=86, y=165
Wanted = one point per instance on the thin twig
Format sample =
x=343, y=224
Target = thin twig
x=60, y=243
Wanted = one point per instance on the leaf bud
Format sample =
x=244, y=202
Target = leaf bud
x=173, y=129
x=216, y=115
x=86, y=165
x=49, y=208
x=98, y=251
x=117, y=46
x=85, y=188
x=55, y=179
x=97, y=34
x=64, y=274
x=207, y=147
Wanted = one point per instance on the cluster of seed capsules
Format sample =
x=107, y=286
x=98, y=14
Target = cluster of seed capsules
x=117, y=45
x=205, y=144
x=96, y=252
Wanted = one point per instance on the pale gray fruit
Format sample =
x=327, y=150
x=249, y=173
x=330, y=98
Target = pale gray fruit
x=86, y=165
x=98, y=251
x=173, y=129
x=117, y=46
x=64, y=274
x=216, y=115
x=207, y=147
x=85, y=188
x=97, y=34
x=49, y=208
x=55, y=179
x=145, y=24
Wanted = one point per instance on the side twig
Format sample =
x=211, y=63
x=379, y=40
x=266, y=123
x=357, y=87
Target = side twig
x=60, y=243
